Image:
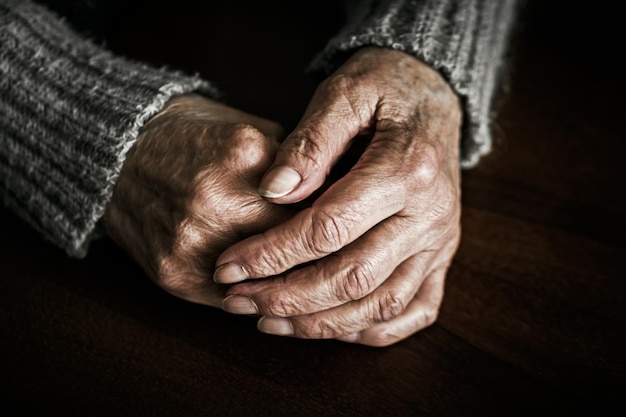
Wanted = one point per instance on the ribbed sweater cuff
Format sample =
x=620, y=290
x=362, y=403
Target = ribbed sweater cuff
x=463, y=39
x=69, y=112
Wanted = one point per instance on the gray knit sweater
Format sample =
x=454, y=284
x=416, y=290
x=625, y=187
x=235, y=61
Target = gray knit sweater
x=70, y=110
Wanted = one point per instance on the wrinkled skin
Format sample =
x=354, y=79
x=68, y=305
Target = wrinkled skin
x=366, y=263
x=187, y=191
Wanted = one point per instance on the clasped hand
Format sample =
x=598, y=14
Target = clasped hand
x=187, y=191
x=365, y=262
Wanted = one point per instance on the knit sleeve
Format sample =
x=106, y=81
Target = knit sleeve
x=463, y=39
x=69, y=112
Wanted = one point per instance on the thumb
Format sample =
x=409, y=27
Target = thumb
x=323, y=135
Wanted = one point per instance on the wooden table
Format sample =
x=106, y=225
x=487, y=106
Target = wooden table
x=533, y=322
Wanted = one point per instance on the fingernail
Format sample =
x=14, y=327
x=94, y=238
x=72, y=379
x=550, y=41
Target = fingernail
x=229, y=273
x=238, y=304
x=279, y=182
x=275, y=325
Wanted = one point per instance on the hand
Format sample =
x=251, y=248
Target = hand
x=187, y=191
x=382, y=236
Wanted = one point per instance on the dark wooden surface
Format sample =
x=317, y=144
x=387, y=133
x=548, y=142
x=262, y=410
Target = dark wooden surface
x=533, y=322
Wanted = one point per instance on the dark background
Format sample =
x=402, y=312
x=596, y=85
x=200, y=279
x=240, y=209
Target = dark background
x=533, y=322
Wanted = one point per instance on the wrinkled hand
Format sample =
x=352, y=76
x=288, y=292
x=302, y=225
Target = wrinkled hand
x=382, y=236
x=187, y=191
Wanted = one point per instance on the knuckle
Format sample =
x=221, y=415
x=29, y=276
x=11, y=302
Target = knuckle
x=351, y=98
x=357, y=283
x=389, y=306
x=328, y=233
x=177, y=267
x=315, y=328
x=429, y=315
x=220, y=202
x=427, y=166
x=250, y=147
x=277, y=305
x=188, y=236
x=247, y=133
x=174, y=280
x=304, y=147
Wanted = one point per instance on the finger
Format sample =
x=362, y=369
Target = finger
x=171, y=274
x=350, y=274
x=333, y=118
x=396, y=167
x=386, y=303
x=347, y=210
x=421, y=313
x=144, y=227
x=268, y=127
